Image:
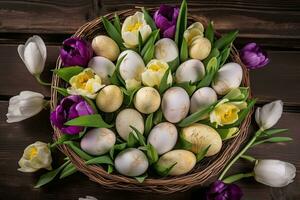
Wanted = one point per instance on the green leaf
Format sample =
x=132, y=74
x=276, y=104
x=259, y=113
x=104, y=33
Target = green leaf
x=271, y=132
x=184, y=54
x=49, y=176
x=89, y=121
x=150, y=42
x=75, y=147
x=197, y=116
x=67, y=73
x=112, y=32
x=116, y=78
x=201, y=154
x=158, y=116
x=188, y=87
x=148, y=123
x=209, y=32
x=213, y=53
x=110, y=169
x=164, y=85
x=149, y=19
x=149, y=54
x=225, y=40
x=183, y=143
x=162, y=170
x=237, y=94
x=117, y=23
x=140, y=42
x=211, y=69
x=118, y=147
x=67, y=137
x=228, y=133
x=139, y=136
x=151, y=154
x=62, y=91
x=68, y=170
x=132, y=141
x=224, y=55
x=129, y=94
x=100, y=160
x=181, y=23
x=174, y=64
x=141, y=178
x=272, y=140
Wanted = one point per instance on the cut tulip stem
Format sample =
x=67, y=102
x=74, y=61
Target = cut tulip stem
x=38, y=78
x=249, y=144
x=236, y=177
x=248, y=158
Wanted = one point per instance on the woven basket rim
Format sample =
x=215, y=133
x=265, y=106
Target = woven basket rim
x=168, y=184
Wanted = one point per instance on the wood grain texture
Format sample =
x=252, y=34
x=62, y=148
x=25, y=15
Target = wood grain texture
x=16, y=185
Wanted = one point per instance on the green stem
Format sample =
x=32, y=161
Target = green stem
x=249, y=158
x=38, y=78
x=240, y=153
x=236, y=177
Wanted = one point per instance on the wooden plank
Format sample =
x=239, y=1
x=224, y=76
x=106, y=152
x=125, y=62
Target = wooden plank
x=279, y=80
x=46, y=15
x=15, y=185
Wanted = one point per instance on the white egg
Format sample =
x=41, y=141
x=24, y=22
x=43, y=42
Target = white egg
x=163, y=137
x=98, y=141
x=227, y=78
x=166, y=50
x=191, y=70
x=175, y=104
x=131, y=162
x=185, y=161
x=202, y=98
x=132, y=66
x=125, y=119
x=102, y=67
x=147, y=100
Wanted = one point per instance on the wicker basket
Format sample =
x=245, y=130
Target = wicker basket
x=206, y=169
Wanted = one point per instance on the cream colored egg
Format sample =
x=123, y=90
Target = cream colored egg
x=185, y=161
x=126, y=118
x=190, y=71
x=202, y=98
x=200, y=48
x=132, y=65
x=103, y=67
x=98, y=141
x=201, y=136
x=110, y=98
x=163, y=137
x=106, y=47
x=175, y=104
x=131, y=162
x=147, y=100
x=166, y=50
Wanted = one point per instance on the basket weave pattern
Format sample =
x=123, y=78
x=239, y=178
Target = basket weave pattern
x=207, y=168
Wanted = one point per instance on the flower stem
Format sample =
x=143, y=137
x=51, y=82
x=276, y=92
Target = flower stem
x=236, y=177
x=249, y=158
x=38, y=78
x=240, y=153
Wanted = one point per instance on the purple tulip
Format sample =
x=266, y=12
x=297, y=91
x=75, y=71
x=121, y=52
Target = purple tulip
x=253, y=56
x=222, y=191
x=70, y=107
x=76, y=51
x=165, y=19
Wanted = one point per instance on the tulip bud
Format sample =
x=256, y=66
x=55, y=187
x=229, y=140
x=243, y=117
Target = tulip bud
x=35, y=157
x=24, y=105
x=267, y=116
x=200, y=48
x=274, y=173
x=33, y=54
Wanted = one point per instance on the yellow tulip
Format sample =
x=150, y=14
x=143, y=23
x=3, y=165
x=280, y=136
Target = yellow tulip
x=194, y=30
x=86, y=83
x=131, y=28
x=155, y=71
x=35, y=157
x=225, y=113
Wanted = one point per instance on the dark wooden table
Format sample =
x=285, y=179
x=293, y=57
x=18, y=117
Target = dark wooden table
x=273, y=24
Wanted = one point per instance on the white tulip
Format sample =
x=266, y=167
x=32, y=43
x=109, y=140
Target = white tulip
x=267, y=116
x=131, y=28
x=24, y=105
x=166, y=50
x=33, y=54
x=274, y=173
x=227, y=78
